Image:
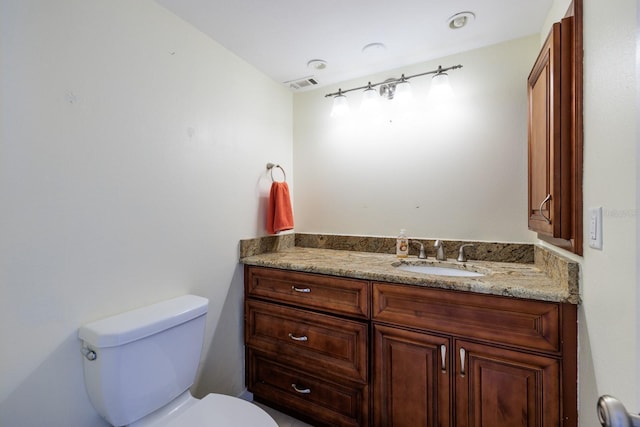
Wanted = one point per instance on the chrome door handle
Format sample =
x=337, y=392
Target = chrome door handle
x=443, y=354
x=301, y=290
x=540, y=209
x=612, y=413
x=462, y=357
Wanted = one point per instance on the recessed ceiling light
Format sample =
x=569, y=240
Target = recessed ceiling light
x=374, y=48
x=317, y=64
x=460, y=20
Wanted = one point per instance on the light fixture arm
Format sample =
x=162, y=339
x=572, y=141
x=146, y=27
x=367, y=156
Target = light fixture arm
x=440, y=70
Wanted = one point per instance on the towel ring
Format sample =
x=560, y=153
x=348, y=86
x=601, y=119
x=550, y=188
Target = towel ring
x=271, y=166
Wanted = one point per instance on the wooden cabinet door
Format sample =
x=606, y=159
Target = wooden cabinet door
x=411, y=378
x=496, y=387
x=552, y=166
x=545, y=138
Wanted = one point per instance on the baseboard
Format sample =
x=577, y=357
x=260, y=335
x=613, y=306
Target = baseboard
x=246, y=395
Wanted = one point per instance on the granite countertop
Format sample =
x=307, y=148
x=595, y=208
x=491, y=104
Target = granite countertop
x=519, y=280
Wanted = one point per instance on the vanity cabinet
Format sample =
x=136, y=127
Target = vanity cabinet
x=460, y=359
x=555, y=136
x=307, y=342
x=347, y=352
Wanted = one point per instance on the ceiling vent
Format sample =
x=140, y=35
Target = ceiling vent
x=302, y=83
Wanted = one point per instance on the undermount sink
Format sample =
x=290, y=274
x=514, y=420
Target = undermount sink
x=437, y=270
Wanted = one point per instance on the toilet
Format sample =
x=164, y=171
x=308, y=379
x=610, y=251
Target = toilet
x=139, y=366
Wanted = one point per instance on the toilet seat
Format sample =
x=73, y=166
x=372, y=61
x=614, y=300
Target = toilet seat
x=222, y=411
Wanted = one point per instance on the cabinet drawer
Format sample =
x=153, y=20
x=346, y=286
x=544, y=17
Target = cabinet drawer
x=327, y=293
x=329, y=403
x=523, y=323
x=308, y=340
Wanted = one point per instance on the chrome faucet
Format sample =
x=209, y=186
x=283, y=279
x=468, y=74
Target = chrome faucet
x=462, y=257
x=422, y=254
x=440, y=256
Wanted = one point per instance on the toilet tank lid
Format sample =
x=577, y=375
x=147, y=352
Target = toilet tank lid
x=143, y=322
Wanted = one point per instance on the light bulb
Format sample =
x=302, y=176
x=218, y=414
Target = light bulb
x=403, y=92
x=369, y=99
x=440, y=88
x=340, y=106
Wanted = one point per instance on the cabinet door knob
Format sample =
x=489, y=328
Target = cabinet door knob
x=302, y=290
x=295, y=338
x=462, y=358
x=443, y=354
x=546, y=218
x=301, y=390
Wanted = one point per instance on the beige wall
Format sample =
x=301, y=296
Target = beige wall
x=132, y=160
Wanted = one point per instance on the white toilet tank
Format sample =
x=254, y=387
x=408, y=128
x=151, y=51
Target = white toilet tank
x=143, y=359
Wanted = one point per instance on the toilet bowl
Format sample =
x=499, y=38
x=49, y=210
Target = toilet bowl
x=212, y=410
x=215, y=410
x=139, y=367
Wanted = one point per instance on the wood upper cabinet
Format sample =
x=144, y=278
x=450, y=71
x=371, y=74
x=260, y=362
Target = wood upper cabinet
x=555, y=136
x=546, y=141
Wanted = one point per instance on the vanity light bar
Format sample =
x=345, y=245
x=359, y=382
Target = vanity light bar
x=404, y=78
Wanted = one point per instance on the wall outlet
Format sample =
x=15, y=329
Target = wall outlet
x=595, y=227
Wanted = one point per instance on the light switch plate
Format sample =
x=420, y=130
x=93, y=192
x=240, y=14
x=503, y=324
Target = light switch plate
x=595, y=227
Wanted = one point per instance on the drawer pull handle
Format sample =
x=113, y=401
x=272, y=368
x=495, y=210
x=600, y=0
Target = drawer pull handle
x=302, y=338
x=301, y=390
x=443, y=354
x=462, y=357
x=540, y=209
x=301, y=290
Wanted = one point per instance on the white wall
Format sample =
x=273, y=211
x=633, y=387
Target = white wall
x=557, y=11
x=455, y=171
x=132, y=160
x=608, y=319
x=608, y=323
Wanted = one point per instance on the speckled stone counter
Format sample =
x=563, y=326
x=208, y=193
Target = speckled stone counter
x=547, y=277
x=485, y=251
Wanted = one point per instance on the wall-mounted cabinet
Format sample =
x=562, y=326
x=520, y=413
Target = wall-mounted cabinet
x=555, y=135
x=548, y=156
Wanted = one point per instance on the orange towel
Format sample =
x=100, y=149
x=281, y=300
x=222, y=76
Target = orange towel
x=279, y=212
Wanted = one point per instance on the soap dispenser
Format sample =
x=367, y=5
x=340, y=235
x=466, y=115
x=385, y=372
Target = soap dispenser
x=402, y=244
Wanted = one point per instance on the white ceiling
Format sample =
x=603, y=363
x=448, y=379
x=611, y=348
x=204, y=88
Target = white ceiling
x=280, y=37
